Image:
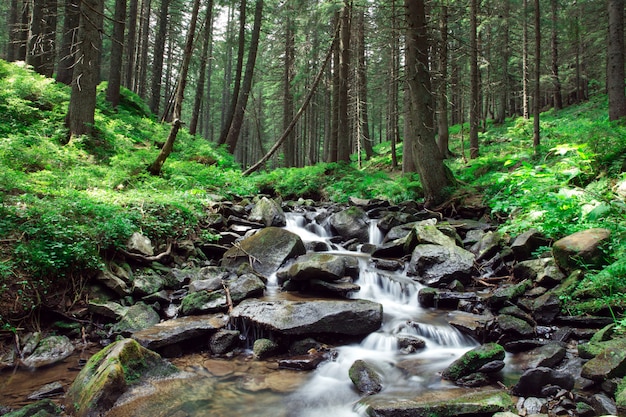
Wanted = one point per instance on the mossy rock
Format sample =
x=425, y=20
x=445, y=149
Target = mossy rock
x=43, y=408
x=473, y=360
x=109, y=373
x=592, y=349
x=203, y=302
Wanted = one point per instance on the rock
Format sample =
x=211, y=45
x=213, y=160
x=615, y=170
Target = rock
x=113, y=282
x=264, y=348
x=224, y=341
x=351, y=223
x=585, y=246
x=265, y=251
x=108, y=309
x=440, y=403
x=341, y=289
x=268, y=212
x=507, y=293
x=322, y=266
x=49, y=350
x=203, y=302
x=109, y=373
x=42, y=408
x=148, y=282
x=545, y=308
x=408, y=343
x=140, y=244
x=177, y=330
x=542, y=271
x=528, y=242
x=603, y=405
x=620, y=398
x=488, y=245
x=610, y=363
x=473, y=360
x=139, y=316
x=475, y=325
x=514, y=327
x=306, y=362
x=52, y=389
x=548, y=355
x=343, y=317
x=533, y=380
x=365, y=377
x=426, y=233
x=438, y=266
x=245, y=286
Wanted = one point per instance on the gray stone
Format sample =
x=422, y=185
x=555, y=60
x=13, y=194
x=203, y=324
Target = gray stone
x=351, y=223
x=365, y=377
x=138, y=317
x=223, y=341
x=113, y=282
x=488, y=245
x=264, y=348
x=203, y=302
x=268, y=212
x=109, y=309
x=436, y=265
x=346, y=317
x=525, y=244
x=475, y=325
x=322, y=266
x=472, y=360
x=585, y=246
x=548, y=355
x=139, y=243
x=610, y=363
x=533, y=380
x=177, y=330
x=245, y=286
x=52, y=389
x=49, y=350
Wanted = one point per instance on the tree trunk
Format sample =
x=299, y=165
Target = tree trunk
x=442, y=86
x=505, y=53
x=431, y=169
x=80, y=115
x=362, y=87
x=289, y=148
x=615, y=67
x=131, y=44
x=117, y=53
x=333, y=139
x=12, y=26
x=71, y=21
x=343, y=120
x=141, y=82
x=537, y=83
x=242, y=100
x=474, y=81
x=556, y=82
x=230, y=111
x=525, y=75
x=197, y=105
x=155, y=168
x=41, y=37
x=159, y=53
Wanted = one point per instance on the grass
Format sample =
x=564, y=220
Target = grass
x=63, y=207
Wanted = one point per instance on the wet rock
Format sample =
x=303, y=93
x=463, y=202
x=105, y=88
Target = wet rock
x=304, y=346
x=140, y=244
x=533, y=380
x=441, y=403
x=42, y=408
x=365, y=377
x=437, y=266
x=147, y=283
x=351, y=223
x=113, y=282
x=473, y=360
x=109, y=373
x=426, y=233
x=542, y=271
x=508, y=293
x=202, y=302
x=476, y=379
x=265, y=251
x=52, y=389
x=264, y=348
x=49, y=350
x=585, y=246
x=224, y=341
x=548, y=355
x=268, y=212
x=620, y=398
x=341, y=289
x=343, y=317
x=306, y=362
x=322, y=266
x=603, y=405
x=177, y=330
x=108, y=309
x=488, y=245
x=514, y=327
x=610, y=363
x=408, y=343
x=492, y=367
x=139, y=316
x=528, y=242
x=245, y=286
x=475, y=325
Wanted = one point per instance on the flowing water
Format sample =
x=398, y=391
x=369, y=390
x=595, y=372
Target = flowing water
x=242, y=387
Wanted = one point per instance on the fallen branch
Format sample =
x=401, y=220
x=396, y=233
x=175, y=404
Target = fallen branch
x=143, y=258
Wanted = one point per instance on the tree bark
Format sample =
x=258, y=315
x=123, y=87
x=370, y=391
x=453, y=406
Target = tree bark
x=503, y=96
x=80, y=116
x=197, y=105
x=131, y=44
x=615, y=67
x=71, y=21
x=343, y=120
x=242, y=100
x=556, y=82
x=433, y=174
x=474, y=81
x=525, y=71
x=362, y=103
x=157, y=165
x=289, y=147
x=12, y=28
x=442, y=86
x=41, y=36
x=159, y=53
x=537, y=82
x=141, y=82
x=117, y=53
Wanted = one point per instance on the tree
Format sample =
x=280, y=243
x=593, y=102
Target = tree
x=142, y=71
x=71, y=21
x=166, y=150
x=82, y=107
x=117, y=53
x=41, y=36
x=242, y=100
x=361, y=88
x=131, y=44
x=159, y=53
x=343, y=125
x=442, y=85
x=556, y=82
x=434, y=176
x=474, y=80
x=288, y=74
x=615, y=67
x=208, y=25
x=537, y=81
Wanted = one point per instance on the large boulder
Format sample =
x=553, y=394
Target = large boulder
x=441, y=403
x=265, y=251
x=610, y=363
x=585, y=246
x=177, y=330
x=340, y=317
x=322, y=266
x=138, y=317
x=268, y=212
x=437, y=266
x=351, y=223
x=49, y=350
x=109, y=373
x=365, y=377
x=473, y=360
